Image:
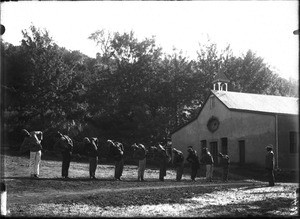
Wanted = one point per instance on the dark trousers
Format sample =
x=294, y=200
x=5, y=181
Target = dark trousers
x=270, y=175
x=162, y=171
x=93, y=165
x=141, y=169
x=66, y=159
x=179, y=171
x=225, y=173
x=119, y=165
x=194, y=172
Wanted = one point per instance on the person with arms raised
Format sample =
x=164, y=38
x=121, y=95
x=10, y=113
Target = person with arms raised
x=178, y=159
x=64, y=144
x=116, y=151
x=32, y=143
x=91, y=146
x=192, y=158
x=139, y=153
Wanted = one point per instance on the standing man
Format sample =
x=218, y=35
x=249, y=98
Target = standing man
x=225, y=161
x=208, y=161
x=140, y=154
x=64, y=144
x=32, y=142
x=270, y=164
x=178, y=159
x=162, y=158
x=116, y=151
x=194, y=161
x=91, y=146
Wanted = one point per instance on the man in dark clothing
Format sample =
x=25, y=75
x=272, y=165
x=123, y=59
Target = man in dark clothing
x=208, y=161
x=64, y=144
x=116, y=151
x=162, y=158
x=225, y=164
x=270, y=164
x=192, y=158
x=91, y=146
x=178, y=159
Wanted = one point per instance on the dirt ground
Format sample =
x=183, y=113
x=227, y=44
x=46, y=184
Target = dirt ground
x=52, y=196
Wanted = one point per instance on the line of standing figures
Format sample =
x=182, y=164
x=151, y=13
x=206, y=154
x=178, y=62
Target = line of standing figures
x=64, y=144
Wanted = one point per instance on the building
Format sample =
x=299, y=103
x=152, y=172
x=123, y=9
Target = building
x=241, y=125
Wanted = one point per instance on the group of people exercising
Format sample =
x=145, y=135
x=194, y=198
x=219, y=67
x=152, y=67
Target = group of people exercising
x=64, y=144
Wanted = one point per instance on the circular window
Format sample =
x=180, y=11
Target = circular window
x=213, y=124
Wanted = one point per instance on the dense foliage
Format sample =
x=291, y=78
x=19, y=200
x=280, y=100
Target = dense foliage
x=131, y=91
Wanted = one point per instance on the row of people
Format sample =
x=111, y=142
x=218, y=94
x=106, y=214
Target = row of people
x=64, y=144
x=32, y=143
x=206, y=159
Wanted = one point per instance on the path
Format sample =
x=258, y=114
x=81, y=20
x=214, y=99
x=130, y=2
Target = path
x=53, y=194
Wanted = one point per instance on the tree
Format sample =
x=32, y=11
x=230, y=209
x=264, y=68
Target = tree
x=250, y=74
x=131, y=92
x=207, y=65
x=123, y=83
x=46, y=83
x=177, y=88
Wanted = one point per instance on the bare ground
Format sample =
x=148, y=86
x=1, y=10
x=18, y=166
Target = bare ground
x=52, y=196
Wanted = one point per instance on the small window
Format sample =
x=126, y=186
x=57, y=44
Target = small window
x=242, y=152
x=294, y=142
x=214, y=151
x=203, y=144
x=224, y=147
x=212, y=102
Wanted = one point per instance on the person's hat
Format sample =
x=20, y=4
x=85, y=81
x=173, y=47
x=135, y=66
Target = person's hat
x=269, y=147
x=190, y=148
x=220, y=154
x=86, y=140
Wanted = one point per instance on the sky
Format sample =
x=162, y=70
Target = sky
x=265, y=27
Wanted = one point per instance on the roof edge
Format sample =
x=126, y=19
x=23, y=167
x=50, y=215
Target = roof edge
x=194, y=118
x=231, y=109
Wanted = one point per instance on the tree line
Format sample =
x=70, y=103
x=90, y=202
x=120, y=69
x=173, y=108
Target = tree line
x=132, y=91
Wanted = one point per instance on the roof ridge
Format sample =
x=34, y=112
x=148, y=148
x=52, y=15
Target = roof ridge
x=220, y=77
x=259, y=102
x=268, y=95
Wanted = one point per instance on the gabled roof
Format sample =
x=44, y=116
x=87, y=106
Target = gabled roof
x=252, y=103
x=220, y=77
x=258, y=102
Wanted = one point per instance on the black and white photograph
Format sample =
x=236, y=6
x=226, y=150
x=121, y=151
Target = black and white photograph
x=149, y=109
